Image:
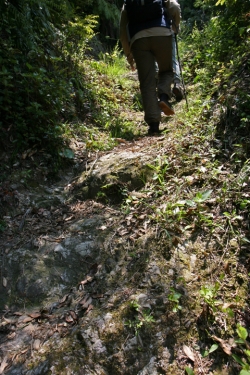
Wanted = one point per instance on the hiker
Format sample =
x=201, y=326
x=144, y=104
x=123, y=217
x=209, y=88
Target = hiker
x=144, y=43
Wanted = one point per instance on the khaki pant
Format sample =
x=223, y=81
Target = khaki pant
x=146, y=52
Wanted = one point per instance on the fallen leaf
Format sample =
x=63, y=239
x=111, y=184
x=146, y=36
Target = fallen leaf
x=189, y=353
x=4, y=364
x=223, y=344
x=69, y=319
x=35, y=315
x=89, y=308
x=24, y=350
x=9, y=321
x=121, y=140
x=87, y=280
x=4, y=282
x=25, y=319
x=36, y=344
x=73, y=314
x=69, y=218
x=11, y=335
x=85, y=302
x=64, y=299
x=229, y=305
x=103, y=227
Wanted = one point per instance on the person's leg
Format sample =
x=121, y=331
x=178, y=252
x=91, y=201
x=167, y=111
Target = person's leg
x=161, y=47
x=145, y=63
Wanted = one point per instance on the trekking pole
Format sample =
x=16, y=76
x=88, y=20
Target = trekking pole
x=182, y=80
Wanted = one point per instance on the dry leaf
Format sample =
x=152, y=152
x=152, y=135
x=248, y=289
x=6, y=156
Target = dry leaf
x=73, y=314
x=189, y=353
x=64, y=298
x=4, y=364
x=69, y=218
x=223, y=344
x=9, y=321
x=35, y=315
x=121, y=140
x=89, y=308
x=36, y=344
x=11, y=335
x=4, y=282
x=87, y=280
x=85, y=302
x=229, y=305
x=25, y=319
x=24, y=350
x=103, y=227
x=69, y=319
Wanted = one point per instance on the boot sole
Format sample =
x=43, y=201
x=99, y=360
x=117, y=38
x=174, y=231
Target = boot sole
x=166, y=109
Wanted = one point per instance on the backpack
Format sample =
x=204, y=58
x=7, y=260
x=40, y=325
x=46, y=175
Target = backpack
x=140, y=11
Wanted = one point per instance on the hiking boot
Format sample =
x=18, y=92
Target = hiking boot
x=153, y=128
x=178, y=92
x=165, y=105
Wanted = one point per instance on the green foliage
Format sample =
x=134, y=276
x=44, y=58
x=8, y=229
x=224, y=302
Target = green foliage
x=140, y=317
x=174, y=298
x=39, y=76
x=211, y=350
x=209, y=294
x=243, y=345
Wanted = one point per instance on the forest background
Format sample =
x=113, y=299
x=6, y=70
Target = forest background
x=53, y=54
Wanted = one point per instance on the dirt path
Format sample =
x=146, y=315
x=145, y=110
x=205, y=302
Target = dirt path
x=101, y=287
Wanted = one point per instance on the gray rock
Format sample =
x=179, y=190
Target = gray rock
x=150, y=368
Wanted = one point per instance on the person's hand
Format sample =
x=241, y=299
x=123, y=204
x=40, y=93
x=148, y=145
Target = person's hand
x=175, y=28
x=131, y=61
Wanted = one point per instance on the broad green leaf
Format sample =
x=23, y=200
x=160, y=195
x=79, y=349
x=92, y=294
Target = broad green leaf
x=247, y=352
x=239, y=341
x=244, y=372
x=202, y=197
x=238, y=359
x=242, y=332
x=190, y=203
x=206, y=194
x=213, y=348
x=205, y=353
x=189, y=371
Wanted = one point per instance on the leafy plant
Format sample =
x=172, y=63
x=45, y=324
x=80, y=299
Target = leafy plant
x=245, y=347
x=211, y=350
x=174, y=298
x=209, y=293
x=141, y=318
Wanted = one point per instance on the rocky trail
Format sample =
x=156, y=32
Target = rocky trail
x=93, y=283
